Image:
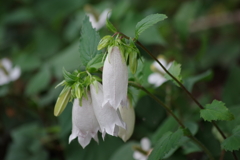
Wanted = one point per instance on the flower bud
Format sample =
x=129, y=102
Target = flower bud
x=128, y=116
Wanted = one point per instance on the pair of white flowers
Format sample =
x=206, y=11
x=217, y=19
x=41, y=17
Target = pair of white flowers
x=7, y=73
x=107, y=108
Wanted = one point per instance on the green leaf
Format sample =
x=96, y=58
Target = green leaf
x=169, y=124
x=39, y=82
x=216, y=111
x=62, y=101
x=189, y=83
x=110, y=26
x=175, y=70
x=165, y=144
x=88, y=42
x=95, y=63
x=232, y=142
x=148, y=22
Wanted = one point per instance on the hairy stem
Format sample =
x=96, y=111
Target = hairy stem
x=210, y=156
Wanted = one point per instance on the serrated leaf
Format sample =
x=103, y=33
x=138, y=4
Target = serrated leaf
x=88, y=42
x=165, y=144
x=148, y=22
x=62, y=101
x=175, y=70
x=232, y=142
x=216, y=111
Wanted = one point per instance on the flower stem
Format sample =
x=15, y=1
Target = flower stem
x=210, y=156
x=182, y=86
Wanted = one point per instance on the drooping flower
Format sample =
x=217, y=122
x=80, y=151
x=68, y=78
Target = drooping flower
x=7, y=73
x=100, y=22
x=145, y=150
x=157, y=78
x=115, y=79
x=84, y=123
x=128, y=116
x=108, y=118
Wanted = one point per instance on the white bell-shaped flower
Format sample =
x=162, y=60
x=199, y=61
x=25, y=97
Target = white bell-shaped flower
x=7, y=73
x=157, y=78
x=108, y=118
x=98, y=24
x=84, y=123
x=128, y=116
x=115, y=79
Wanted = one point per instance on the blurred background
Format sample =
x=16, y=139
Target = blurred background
x=40, y=37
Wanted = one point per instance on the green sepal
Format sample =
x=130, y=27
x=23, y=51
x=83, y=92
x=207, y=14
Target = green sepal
x=60, y=84
x=95, y=63
x=69, y=78
x=133, y=62
x=110, y=26
x=78, y=92
x=62, y=101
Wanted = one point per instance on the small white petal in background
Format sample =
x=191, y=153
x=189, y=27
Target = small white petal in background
x=128, y=116
x=98, y=24
x=115, y=79
x=84, y=123
x=146, y=147
x=7, y=73
x=157, y=78
x=108, y=118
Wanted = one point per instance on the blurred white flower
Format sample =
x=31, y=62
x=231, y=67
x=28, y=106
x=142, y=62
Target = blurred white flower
x=84, y=123
x=115, y=79
x=98, y=24
x=145, y=148
x=7, y=73
x=158, y=78
x=108, y=118
x=128, y=116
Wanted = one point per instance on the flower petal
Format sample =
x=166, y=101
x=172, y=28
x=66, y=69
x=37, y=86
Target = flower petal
x=158, y=67
x=84, y=122
x=103, y=17
x=115, y=79
x=128, y=116
x=139, y=156
x=145, y=143
x=15, y=73
x=108, y=118
x=3, y=78
x=156, y=79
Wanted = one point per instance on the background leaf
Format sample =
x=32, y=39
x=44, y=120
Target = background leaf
x=88, y=42
x=39, y=82
x=175, y=70
x=148, y=22
x=165, y=144
x=232, y=142
x=216, y=111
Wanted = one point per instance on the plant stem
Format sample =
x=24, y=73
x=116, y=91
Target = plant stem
x=210, y=156
x=181, y=85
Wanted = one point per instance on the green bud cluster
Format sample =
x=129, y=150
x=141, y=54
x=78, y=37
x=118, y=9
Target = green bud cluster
x=76, y=85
